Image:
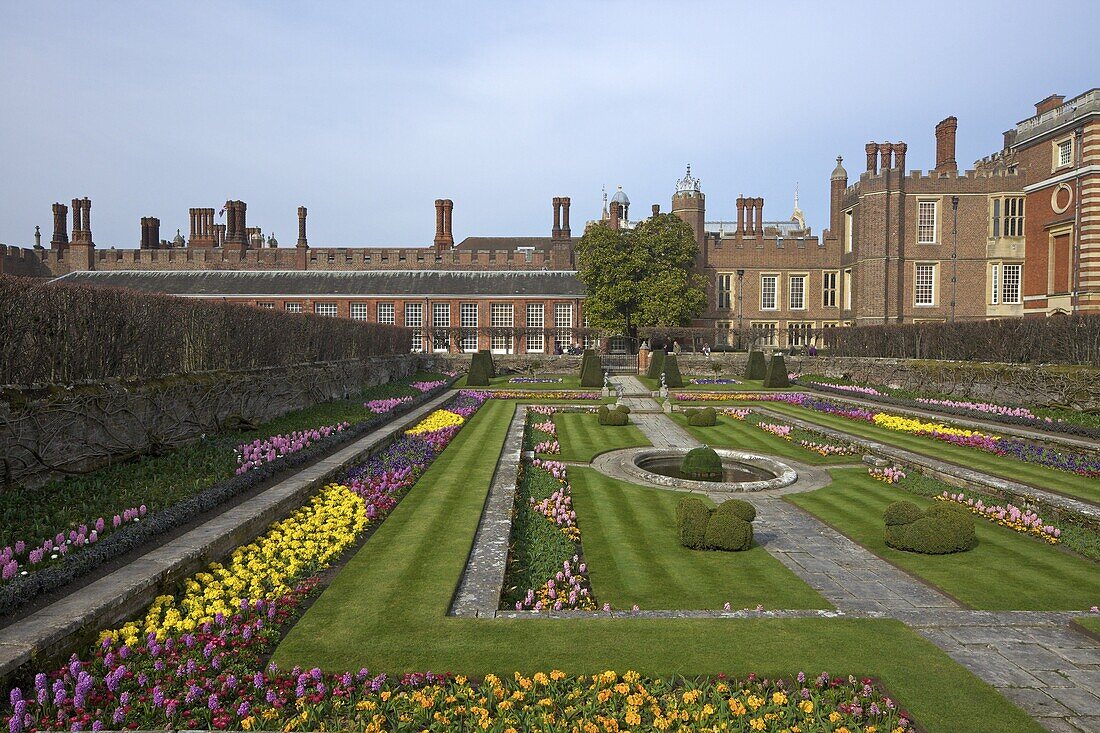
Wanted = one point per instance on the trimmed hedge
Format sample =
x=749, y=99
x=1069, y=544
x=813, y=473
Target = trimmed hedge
x=60, y=334
x=672, y=372
x=616, y=417
x=656, y=364
x=24, y=589
x=755, y=368
x=728, y=527
x=481, y=369
x=704, y=418
x=591, y=370
x=702, y=464
x=776, y=376
x=941, y=529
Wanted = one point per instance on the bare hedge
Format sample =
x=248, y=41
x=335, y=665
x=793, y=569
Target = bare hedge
x=60, y=333
x=1056, y=340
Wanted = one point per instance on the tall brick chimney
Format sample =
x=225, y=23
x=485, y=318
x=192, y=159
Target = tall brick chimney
x=616, y=214
x=302, y=241
x=82, y=248
x=741, y=214
x=444, y=239
x=448, y=211
x=759, y=215
x=150, y=232
x=886, y=157
x=945, y=146
x=565, y=231
x=899, y=156
x=838, y=182
x=655, y=210
x=555, y=230
x=60, y=238
x=872, y=157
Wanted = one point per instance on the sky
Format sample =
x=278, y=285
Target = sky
x=368, y=112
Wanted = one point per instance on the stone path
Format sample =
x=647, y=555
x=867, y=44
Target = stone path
x=62, y=626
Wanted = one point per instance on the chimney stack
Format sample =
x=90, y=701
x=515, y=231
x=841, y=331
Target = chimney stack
x=741, y=214
x=565, y=231
x=616, y=214
x=886, y=155
x=656, y=209
x=302, y=241
x=555, y=231
x=150, y=232
x=945, y=146
x=899, y=156
x=448, y=210
x=759, y=215
x=60, y=238
x=1054, y=100
x=872, y=157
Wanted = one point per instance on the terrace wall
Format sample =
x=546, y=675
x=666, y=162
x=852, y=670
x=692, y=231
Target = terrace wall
x=50, y=431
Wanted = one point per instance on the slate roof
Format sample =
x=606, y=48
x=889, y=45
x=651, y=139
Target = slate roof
x=208, y=283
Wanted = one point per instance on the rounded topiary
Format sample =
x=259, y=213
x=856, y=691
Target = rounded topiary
x=938, y=530
x=727, y=531
x=692, y=517
x=591, y=371
x=622, y=408
x=776, y=375
x=702, y=464
x=672, y=372
x=755, y=368
x=705, y=418
x=611, y=417
x=656, y=364
x=738, y=508
x=481, y=369
x=901, y=512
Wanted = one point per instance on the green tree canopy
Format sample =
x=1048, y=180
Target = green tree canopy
x=641, y=277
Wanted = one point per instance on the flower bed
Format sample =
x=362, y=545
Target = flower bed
x=381, y=407
x=719, y=380
x=737, y=413
x=196, y=660
x=534, y=380
x=258, y=452
x=548, y=394
x=429, y=386
x=829, y=449
x=1007, y=515
x=195, y=500
x=890, y=474
x=780, y=431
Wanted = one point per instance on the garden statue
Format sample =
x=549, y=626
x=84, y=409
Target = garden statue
x=664, y=386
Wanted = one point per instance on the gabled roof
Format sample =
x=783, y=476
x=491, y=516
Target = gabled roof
x=364, y=283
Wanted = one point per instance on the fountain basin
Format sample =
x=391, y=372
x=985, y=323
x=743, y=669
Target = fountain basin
x=742, y=471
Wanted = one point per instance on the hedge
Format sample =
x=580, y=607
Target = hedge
x=940, y=529
x=755, y=368
x=1058, y=339
x=672, y=372
x=481, y=369
x=591, y=370
x=59, y=333
x=24, y=589
x=776, y=375
x=704, y=418
x=656, y=364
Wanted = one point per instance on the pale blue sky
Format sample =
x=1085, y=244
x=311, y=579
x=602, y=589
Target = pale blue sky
x=368, y=113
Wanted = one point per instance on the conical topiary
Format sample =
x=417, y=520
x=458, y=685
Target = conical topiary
x=656, y=364
x=591, y=372
x=672, y=372
x=776, y=376
x=756, y=367
x=481, y=369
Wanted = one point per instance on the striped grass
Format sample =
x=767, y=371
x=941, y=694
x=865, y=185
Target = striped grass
x=582, y=438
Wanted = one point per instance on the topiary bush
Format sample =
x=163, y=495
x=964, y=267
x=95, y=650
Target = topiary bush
x=612, y=417
x=481, y=369
x=591, y=373
x=672, y=372
x=656, y=364
x=739, y=508
x=940, y=529
x=692, y=517
x=705, y=418
x=776, y=376
x=755, y=368
x=702, y=464
x=623, y=408
x=727, y=531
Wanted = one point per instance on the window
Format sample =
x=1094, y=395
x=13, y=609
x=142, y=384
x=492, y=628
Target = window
x=926, y=222
x=325, y=309
x=563, y=322
x=535, y=324
x=1014, y=216
x=924, y=290
x=996, y=218
x=293, y=307
x=467, y=318
x=501, y=316
x=266, y=306
x=414, y=319
x=769, y=285
x=799, y=334
x=1064, y=153
x=1010, y=293
x=591, y=340
x=828, y=288
x=848, y=290
x=765, y=332
x=723, y=333
x=849, y=221
x=725, y=284
x=995, y=282
x=359, y=311
x=797, y=292
x=441, y=321
x=385, y=313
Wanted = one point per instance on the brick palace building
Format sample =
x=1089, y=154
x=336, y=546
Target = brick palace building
x=1017, y=236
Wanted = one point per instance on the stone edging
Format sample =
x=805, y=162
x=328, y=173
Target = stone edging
x=628, y=461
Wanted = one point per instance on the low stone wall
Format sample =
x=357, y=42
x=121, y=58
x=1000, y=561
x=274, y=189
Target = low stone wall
x=49, y=431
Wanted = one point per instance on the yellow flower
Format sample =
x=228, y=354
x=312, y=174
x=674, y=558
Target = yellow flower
x=757, y=724
x=736, y=707
x=834, y=716
x=779, y=698
x=806, y=706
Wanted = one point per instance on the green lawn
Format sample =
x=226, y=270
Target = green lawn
x=1081, y=487
x=1006, y=571
x=582, y=438
x=649, y=567
x=568, y=381
x=742, y=435
x=386, y=610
